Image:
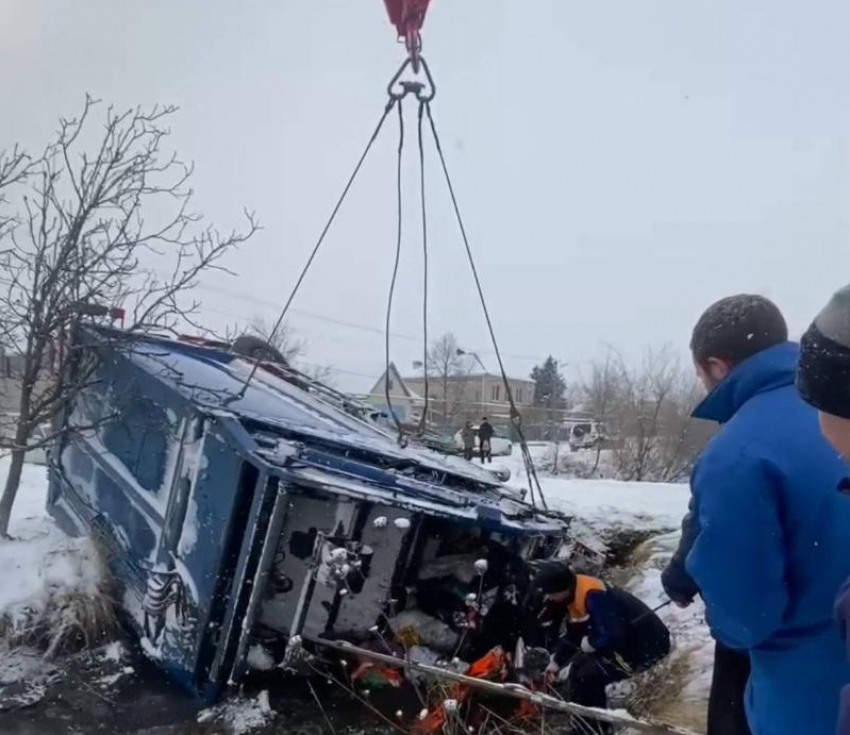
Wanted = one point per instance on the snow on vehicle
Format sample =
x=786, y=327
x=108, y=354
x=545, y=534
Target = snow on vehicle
x=500, y=446
x=234, y=516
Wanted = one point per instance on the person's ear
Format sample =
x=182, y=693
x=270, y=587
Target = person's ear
x=717, y=369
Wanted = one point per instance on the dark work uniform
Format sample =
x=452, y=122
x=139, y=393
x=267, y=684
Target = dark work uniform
x=627, y=636
x=485, y=434
x=726, y=712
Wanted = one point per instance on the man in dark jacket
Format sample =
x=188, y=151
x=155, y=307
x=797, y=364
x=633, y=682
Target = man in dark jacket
x=823, y=378
x=485, y=434
x=605, y=633
x=467, y=435
x=769, y=535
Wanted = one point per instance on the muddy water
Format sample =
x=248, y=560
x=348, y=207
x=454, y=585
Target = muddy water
x=78, y=702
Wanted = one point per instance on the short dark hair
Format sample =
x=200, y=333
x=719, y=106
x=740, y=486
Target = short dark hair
x=553, y=577
x=736, y=328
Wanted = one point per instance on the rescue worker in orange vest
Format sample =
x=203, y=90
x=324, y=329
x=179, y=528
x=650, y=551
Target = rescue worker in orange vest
x=605, y=633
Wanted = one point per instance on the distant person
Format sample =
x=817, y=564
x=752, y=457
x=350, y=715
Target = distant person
x=467, y=435
x=605, y=634
x=823, y=378
x=766, y=541
x=485, y=435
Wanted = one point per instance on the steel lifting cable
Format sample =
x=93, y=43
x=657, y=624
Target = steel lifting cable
x=394, y=277
x=424, y=94
x=387, y=109
x=533, y=480
x=424, y=107
x=424, y=212
x=424, y=417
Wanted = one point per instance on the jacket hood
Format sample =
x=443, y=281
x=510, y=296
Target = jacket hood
x=766, y=370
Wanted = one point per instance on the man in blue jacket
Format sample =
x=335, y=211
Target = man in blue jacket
x=770, y=535
x=823, y=379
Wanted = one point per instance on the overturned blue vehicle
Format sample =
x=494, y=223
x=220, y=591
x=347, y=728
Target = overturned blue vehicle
x=233, y=518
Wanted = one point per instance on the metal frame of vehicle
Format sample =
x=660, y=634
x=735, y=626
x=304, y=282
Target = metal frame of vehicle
x=223, y=509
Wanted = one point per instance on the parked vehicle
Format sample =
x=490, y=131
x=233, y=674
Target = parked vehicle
x=500, y=446
x=584, y=434
x=236, y=515
x=39, y=454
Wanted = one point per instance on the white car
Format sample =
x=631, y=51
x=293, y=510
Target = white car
x=585, y=434
x=499, y=445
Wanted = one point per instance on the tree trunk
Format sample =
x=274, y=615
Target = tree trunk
x=10, y=491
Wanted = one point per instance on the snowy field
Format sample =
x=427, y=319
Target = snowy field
x=41, y=564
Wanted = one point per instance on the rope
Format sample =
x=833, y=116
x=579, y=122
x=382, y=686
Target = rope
x=424, y=417
x=533, y=480
x=389, y=106
x=394, y=279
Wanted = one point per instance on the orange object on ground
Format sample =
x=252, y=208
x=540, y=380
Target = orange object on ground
x=493, y=666
x=377, y=675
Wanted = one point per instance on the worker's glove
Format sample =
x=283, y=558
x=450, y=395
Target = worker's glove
x=586, y=647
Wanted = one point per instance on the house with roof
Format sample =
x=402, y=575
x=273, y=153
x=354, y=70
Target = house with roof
x=453, y=399
x=407, y=404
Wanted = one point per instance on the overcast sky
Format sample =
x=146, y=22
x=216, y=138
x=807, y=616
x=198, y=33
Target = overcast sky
x=620, y=164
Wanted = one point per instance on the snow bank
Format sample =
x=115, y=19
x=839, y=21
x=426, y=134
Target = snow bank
x=41, y=564
x=693, y=653
x=649, y=506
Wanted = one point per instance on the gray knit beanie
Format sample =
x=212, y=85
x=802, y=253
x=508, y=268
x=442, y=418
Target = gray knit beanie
x=823, y=375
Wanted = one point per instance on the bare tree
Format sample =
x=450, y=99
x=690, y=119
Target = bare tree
x=648, y=409
x=323, y=374
x=603, y=388
x=15, y=166
x=285, y=340
x=82, y=230
x=449, y=368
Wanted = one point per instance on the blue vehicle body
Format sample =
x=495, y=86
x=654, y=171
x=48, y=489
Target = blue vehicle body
x=224, y=513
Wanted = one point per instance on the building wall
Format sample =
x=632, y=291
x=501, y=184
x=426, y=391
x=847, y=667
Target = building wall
x=11, y=368
x=471, y=397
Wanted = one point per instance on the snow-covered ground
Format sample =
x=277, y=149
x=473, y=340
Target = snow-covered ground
x=647, y=505
x=40, y=562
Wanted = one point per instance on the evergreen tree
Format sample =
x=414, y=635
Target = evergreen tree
x=549, y=385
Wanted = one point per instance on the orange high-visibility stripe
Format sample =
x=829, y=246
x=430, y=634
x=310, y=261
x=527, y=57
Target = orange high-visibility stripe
x=584, y=585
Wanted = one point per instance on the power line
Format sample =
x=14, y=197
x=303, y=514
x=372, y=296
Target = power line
x=259, y=301
x=309, y=314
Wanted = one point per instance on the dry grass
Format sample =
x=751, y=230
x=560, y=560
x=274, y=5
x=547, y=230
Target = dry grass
x=658, y=694
x=68, y=622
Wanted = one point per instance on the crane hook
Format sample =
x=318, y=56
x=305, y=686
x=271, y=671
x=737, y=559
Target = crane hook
x=408, y=16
